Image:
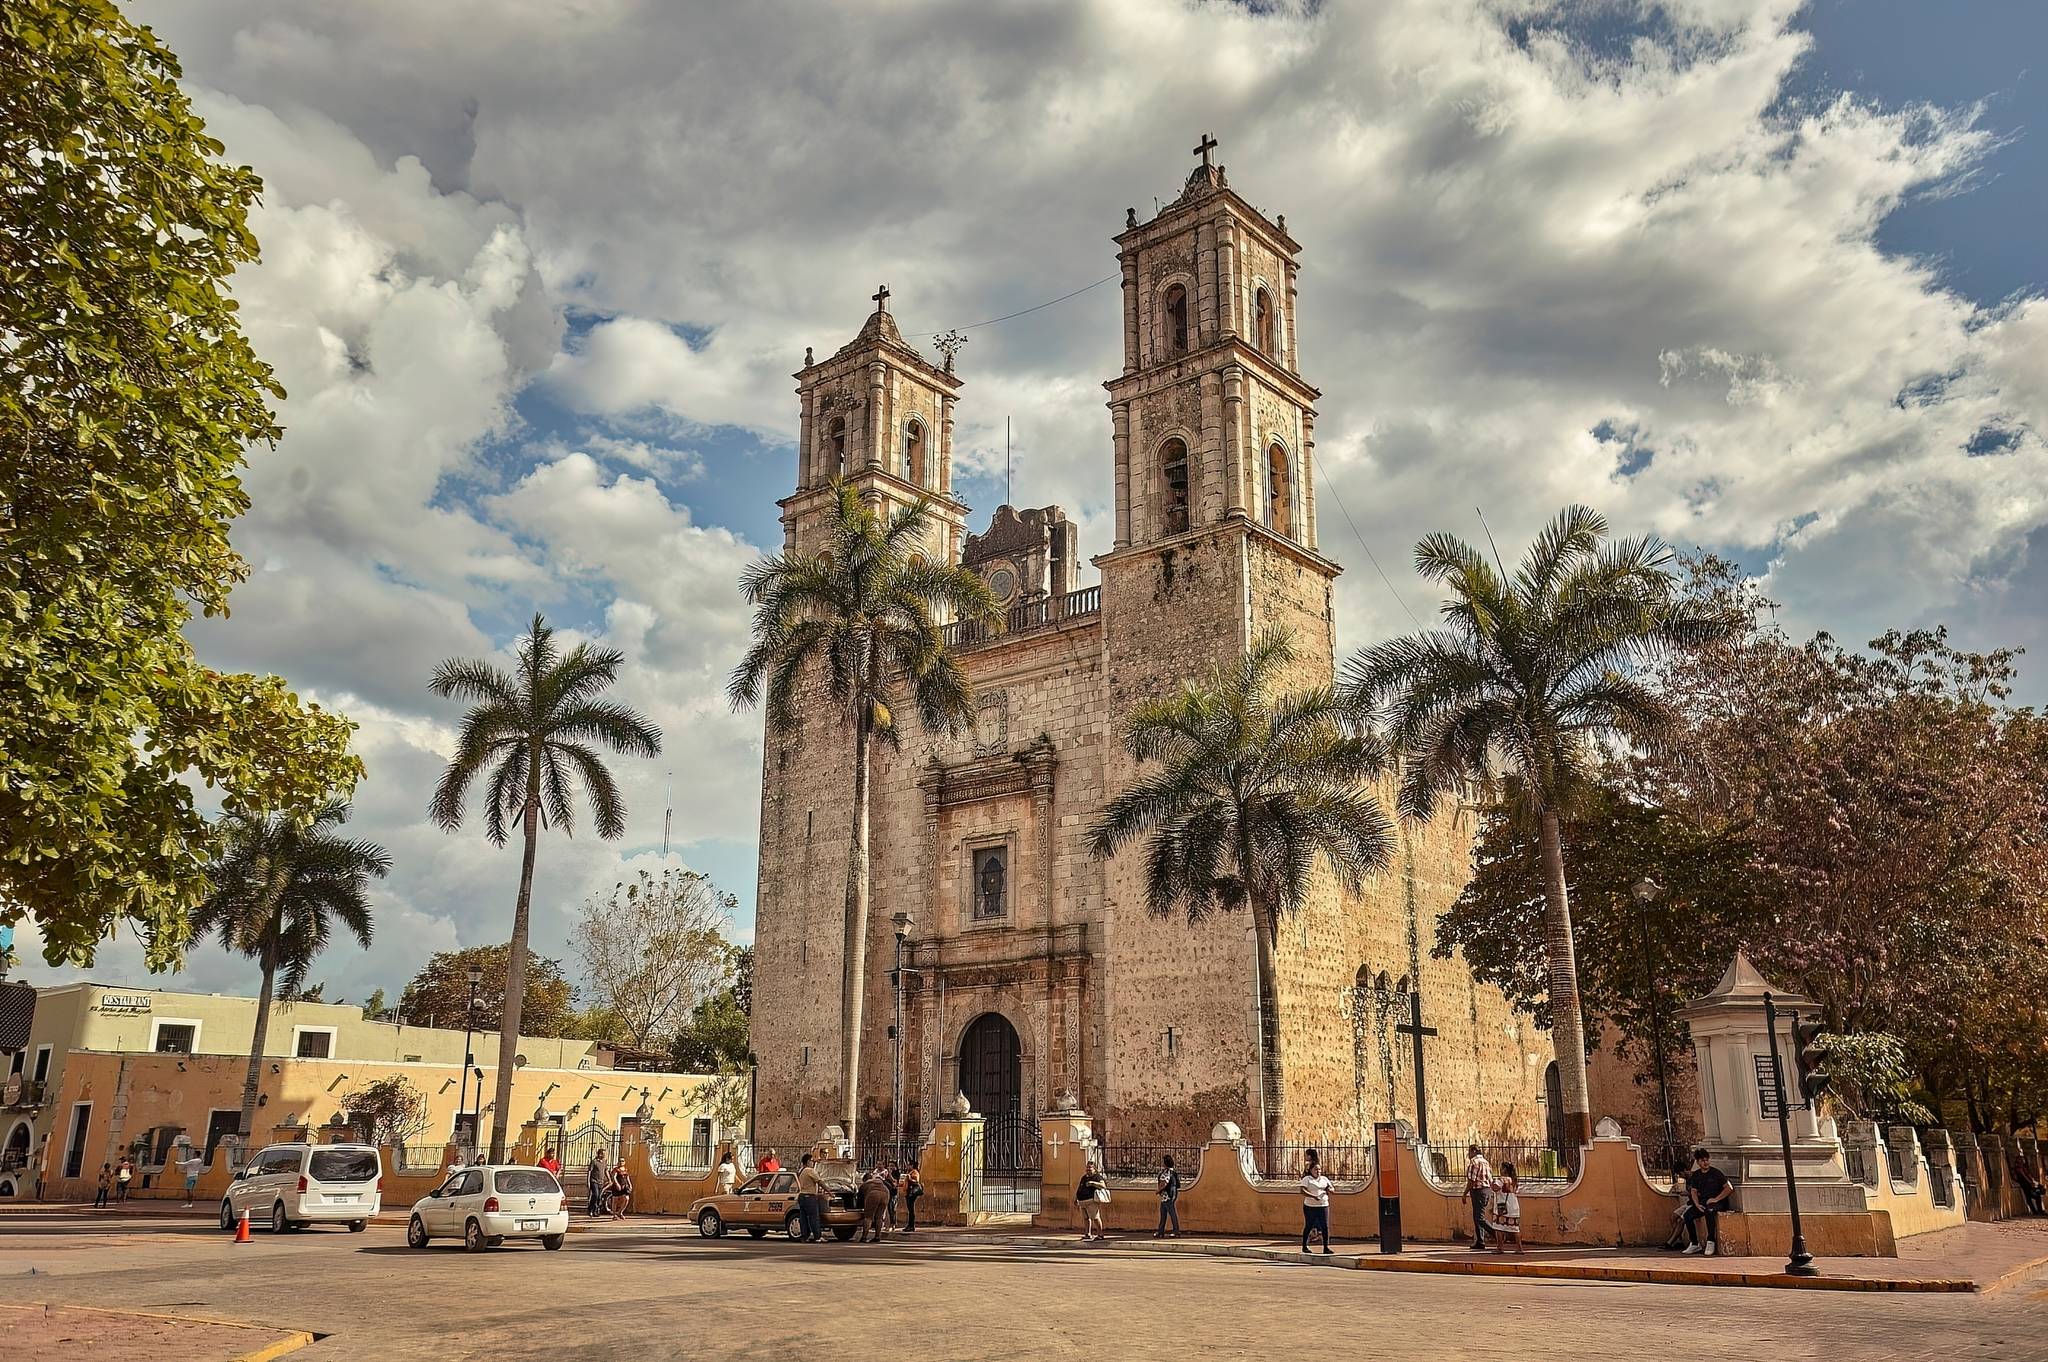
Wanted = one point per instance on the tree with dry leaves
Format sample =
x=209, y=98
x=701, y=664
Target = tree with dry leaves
x=651, y=949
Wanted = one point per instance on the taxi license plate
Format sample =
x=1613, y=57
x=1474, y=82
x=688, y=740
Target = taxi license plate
x=533, y=1224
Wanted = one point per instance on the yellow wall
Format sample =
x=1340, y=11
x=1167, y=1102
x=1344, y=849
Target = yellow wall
x=161, y=1094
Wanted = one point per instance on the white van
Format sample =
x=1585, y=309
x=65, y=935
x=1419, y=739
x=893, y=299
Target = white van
x=287, y=1186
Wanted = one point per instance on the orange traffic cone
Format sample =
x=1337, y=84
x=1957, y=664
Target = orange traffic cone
x=242, y=1229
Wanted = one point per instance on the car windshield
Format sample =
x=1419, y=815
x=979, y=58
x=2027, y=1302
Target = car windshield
x=343, y=1165
x=527, y=1181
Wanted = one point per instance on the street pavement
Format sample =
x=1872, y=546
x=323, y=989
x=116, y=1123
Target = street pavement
x=654, y=1288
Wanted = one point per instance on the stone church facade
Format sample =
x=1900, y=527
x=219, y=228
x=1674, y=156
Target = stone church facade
x=1034, y=979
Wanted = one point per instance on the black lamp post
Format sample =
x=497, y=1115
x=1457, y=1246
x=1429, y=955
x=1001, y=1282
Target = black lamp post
x=1646, y=892
x=476, y=975
x=902, y=923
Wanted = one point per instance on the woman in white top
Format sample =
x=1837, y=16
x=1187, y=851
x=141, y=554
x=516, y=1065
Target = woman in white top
x=1315, y=1200
x=728, y=1174
x=1507, y=1210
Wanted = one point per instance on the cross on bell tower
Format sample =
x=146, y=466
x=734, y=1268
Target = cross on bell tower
x=1204, y=147
x=881, y=297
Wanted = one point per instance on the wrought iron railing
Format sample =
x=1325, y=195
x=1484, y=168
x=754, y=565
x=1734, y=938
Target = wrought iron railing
x=421, y=1158
x=1339, y=1162
x=1145, y=1160
x=1534, y=1163
x=680, y=1156
x=901, y=1151
x=1856, y=1160
x=1901, y=1164
x=1026, y=618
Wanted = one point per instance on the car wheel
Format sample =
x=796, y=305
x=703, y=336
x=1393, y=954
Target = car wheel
x=278, y=1224
x=473, y=1237
x=844, y=1234
x=757, y=1231
x=416, y=1233
x=551, y=1242
x=358, y=1226
x=710, y=1225
x=793, y=1225
x=227, y=1217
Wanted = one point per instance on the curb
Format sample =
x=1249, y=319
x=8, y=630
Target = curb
x=1567, y=1272
x=291, y=1342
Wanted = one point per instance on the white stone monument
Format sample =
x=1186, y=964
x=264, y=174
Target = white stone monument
x=1731, y=1046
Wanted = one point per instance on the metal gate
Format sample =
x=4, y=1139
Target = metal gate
x=1011, y=1155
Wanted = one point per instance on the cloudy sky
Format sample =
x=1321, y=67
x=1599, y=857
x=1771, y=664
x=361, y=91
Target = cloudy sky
x=1746, y=273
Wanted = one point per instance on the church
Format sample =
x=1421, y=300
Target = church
x=1006, y=962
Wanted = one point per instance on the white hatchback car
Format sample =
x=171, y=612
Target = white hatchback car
x=490, y=1203
x=287, y=1186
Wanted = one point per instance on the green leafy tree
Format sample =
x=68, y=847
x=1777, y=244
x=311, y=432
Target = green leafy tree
x=439, y=994
x=529, y=737
x=1252, y=789
x=862, y=618
x=373, y=1006
x=128, y=393
x=715, y=1038
x=1528, y=676
x=1873, y=1080
x=390, y=1111
x=278, y=891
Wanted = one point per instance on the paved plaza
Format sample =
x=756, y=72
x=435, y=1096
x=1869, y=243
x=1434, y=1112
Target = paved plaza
x=655, y=1289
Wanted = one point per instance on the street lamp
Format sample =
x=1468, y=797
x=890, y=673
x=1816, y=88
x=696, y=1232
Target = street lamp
x=1647, y=891
x=476, y=975
x=902, y=921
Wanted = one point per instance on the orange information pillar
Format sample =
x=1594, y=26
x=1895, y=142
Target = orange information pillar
x=1388, y=1161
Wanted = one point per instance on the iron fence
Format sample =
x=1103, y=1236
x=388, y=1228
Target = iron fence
x=1144, y=1160
x=420, y=1158
x=1942, y=1184
x=1901, y=1164
x=901, y=1151
x=1339, y=1162
x=680, y=1156
x=1856, y=1159
x=1533, y=1163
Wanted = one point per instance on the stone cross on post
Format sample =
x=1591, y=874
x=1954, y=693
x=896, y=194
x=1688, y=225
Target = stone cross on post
x=1204, y=147
x=881, y=297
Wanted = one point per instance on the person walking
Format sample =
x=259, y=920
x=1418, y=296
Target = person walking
x=895, y=1186
x=1710, y=1193
x=619, y=1191
x=597, y=1176
x=1092, y=1196
x=551, y=1163
x=99, y=1198
x=1169, y=1197
x=2030, y=1186
x=124, y=1177
x=192, y=1167
x=1507, y=1209
x=1479, y=1191
x=913, y=1188
x=874, y=1204
x=1315, y=1201
x=728, y=1174
x=810, y=1202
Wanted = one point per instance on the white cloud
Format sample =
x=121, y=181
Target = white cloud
x=1508, y=244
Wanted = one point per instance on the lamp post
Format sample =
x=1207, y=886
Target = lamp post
x=902, y=921
x=476, y=974
x=1646, y=892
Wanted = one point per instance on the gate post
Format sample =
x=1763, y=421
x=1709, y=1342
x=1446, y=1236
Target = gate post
x=950, y=1167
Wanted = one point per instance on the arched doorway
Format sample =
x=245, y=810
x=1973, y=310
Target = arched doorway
x=992, y=1066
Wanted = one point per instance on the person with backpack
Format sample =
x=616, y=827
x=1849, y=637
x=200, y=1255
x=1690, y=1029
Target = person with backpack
x=1169, y=1197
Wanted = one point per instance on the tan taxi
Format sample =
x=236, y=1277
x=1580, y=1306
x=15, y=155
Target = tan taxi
x=767, y=1201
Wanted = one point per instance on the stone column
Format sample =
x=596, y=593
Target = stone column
x=1129, y=262
x=945, y=480
x=1211, y=495
x=804, y=472
x=1226, y=278
x=1293, y=352
x=1308, y=477
x=1120, y=421
x=1233, y=439
x=875, y=372
x=1205, y=281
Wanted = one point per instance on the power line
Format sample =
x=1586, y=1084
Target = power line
x=976, y=326
x=1370, y=557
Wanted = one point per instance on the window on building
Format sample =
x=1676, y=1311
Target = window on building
x=991, y=883
x=1176, y=313
x=1279, y=491
x=1262, y=321
x=835, y=444
x=42, y=1063
x=175, y=1038
x=1173, y=459
x=315, y=1045
x=913, y=452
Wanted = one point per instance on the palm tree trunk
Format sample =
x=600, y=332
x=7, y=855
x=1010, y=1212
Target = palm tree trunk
x=854, y=976
x=246, y=1126
x=1272, y=1073
x=515, y=974
x=1567, y=1026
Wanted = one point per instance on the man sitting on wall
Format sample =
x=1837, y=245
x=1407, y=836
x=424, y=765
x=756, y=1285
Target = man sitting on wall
x=1710, y=1192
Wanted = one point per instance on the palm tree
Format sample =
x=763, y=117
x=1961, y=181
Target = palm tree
x=1526, y=679
x=274, y=894
x=529, y=736
x=1253, y=788
x=865, y=610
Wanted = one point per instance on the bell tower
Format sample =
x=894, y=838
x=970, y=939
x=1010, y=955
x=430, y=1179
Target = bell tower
x=878, y=415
